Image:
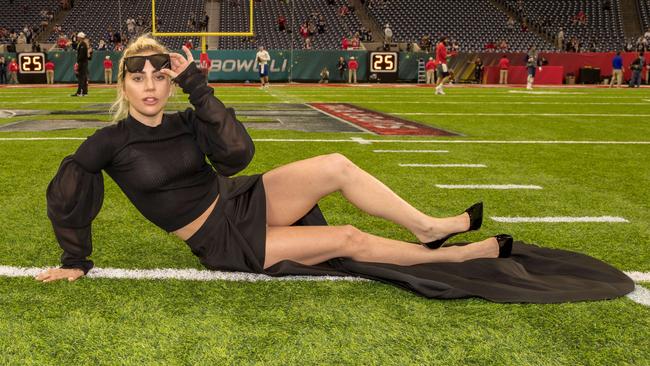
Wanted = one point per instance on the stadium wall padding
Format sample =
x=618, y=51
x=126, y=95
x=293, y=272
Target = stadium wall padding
x=240, y=65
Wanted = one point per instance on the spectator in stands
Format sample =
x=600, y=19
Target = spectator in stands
x=388, y=33
x=282, y=23
x=478, y=70
x=62, y=42
x=321, y=24
x=49, y=72
x=304, y=31
x=108, y=70
x=560, y=39
x=308, y=43
x=344, y=43
x=101, y=46
x=342, y=65
x=21, y=38
x=442, y=69
x=489, y=46
x=647, y=34
x=324, y=76
x=356, y=42
x=139, y=24
x=263, y=58
x=3, y=70
x=504, y=64
x=510, y=24
x=344, y=10
x=13, y=71
x=617, y=70
x=353, y=65
x=189, y=44
x=503, y=45
x=430, y=69
x=206, y=20
x=636, y=66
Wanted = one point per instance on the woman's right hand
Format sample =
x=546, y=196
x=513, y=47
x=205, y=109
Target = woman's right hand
x=53, y=274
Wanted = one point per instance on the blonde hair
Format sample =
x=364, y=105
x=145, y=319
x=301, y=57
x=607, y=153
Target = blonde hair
x=144, y=43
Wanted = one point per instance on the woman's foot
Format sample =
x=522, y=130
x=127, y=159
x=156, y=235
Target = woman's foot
x=498, y=246
x=439, y=230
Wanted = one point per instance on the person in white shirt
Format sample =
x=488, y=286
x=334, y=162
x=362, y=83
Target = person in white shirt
x=263, y=58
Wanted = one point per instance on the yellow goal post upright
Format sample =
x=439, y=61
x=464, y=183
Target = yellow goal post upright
x=155, y=33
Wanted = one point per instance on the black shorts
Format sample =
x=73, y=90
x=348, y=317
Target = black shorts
x=442, y=70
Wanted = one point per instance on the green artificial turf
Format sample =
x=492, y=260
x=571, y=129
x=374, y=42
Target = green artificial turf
x=358, y=323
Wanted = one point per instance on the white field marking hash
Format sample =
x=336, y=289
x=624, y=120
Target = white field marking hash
x=487, y=186
x=520, y=114
x=411, y=151
x=444, y=165
x=559, y=219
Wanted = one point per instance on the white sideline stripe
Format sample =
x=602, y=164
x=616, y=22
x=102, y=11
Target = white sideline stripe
x=640, y=294
x=521, y=114
x=639, y=276
x=445, y=165
x=486, y=186
x=189, y=274
x=359, y=139
x=410, y=151
x=559, y=219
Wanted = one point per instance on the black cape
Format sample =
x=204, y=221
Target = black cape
x=532, y=274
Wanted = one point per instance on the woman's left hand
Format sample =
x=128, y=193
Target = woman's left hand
x=178, y=63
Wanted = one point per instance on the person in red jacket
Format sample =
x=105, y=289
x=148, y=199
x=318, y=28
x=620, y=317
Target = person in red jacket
x=353, y=65
x=49, y=71
x=108, y=70
x=504, y=63
x=205, y=64
x=430, y=67
x=344, y=43
x=441, y=61
x=13, y=71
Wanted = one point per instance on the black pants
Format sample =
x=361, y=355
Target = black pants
x=82, y=77
x=3, y=77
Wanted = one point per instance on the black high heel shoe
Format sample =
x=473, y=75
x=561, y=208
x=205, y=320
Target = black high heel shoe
x=475, y=213
x=505, y=245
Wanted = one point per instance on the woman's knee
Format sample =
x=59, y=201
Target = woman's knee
x=339, y=166
x=354, y=241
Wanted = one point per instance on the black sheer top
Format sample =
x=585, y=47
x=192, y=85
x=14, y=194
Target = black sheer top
x=162, y=169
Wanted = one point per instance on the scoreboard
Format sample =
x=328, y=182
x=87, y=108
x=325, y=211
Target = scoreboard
x=384, y=65
x=31, y=68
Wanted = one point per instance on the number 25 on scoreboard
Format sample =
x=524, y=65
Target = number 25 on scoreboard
x=383, y=62
x=31, y=63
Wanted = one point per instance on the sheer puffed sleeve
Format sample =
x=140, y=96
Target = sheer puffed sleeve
x=222, y=138
x=74, y=197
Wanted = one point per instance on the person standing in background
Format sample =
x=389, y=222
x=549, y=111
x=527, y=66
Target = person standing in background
x=205, y=64
x=108, y=70
x=3, y=70
x=353, y=65
x=83, y=55
x=636, y=66
x=504, y=64
x=430, y=68
x=442, y=69
x=478, y=70
x=263, y=58
x=342, y=65
x=13, y=71
x=617, y=70
x=49, y=71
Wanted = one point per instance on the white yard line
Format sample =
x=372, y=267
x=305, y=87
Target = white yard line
x=361, y=140
x=552, y=219
x=448, y=114
x=411, y=151
x=486, y=186
x=640, y=294
x=444, y=165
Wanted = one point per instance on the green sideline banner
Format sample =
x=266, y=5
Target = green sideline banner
x=241, y=66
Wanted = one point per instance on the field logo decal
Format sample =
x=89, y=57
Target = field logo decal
x=376, y=122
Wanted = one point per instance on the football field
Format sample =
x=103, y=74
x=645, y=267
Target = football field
x=564, y=168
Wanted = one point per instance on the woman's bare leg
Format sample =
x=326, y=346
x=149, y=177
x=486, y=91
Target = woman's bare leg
x=311, y=245
x=293, y=189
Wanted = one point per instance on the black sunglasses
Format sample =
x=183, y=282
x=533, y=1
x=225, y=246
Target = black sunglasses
x=158, y=61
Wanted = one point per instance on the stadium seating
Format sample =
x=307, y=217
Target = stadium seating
x=23, y=13
x=94, y=17
x=235, y=18
x=644, y=8
x=603, y=30
x=472, y=23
